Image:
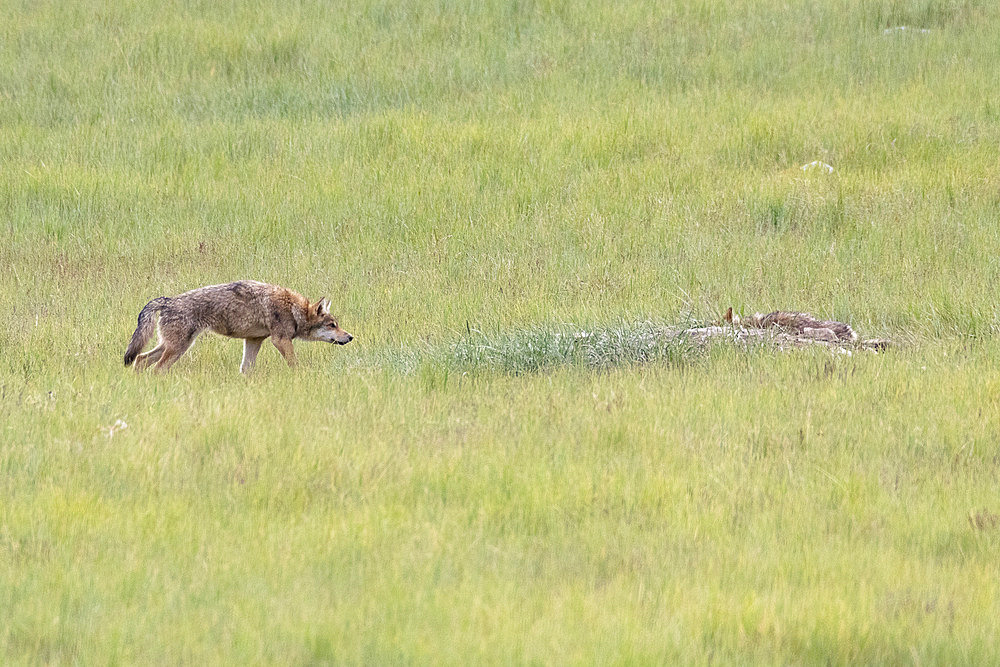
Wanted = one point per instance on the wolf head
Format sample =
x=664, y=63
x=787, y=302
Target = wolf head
x=321, y=326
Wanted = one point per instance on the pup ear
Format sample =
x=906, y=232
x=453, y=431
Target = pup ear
x=323, y=306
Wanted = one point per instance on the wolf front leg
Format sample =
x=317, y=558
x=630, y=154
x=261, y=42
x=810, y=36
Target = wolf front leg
x=251, y=346
x=284, y=346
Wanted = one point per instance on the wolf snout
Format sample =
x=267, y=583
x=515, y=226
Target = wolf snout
x=347, y=338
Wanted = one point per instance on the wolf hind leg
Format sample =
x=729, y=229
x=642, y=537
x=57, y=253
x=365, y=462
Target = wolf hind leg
x=174, y=345
x=169, y=357
x=147, y=359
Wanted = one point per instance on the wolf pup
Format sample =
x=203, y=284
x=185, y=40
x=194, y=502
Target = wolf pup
x=802, y=324
x=245, y=309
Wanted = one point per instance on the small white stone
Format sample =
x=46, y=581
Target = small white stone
x=904, y=28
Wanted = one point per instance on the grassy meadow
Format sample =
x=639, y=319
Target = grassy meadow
x=467, y=181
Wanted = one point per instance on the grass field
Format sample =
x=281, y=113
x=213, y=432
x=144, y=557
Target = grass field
x=469, y=176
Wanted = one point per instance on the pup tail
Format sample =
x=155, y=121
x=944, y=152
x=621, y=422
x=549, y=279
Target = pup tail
x=144, y=330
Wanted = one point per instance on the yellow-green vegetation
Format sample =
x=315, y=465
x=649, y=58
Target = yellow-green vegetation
x=471, y=183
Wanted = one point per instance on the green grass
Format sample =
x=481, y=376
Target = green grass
x=472, y=183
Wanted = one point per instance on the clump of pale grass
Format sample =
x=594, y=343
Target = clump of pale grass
x=595, y=347
x=544, y=348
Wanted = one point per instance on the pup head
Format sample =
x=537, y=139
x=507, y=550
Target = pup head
x=322, y=326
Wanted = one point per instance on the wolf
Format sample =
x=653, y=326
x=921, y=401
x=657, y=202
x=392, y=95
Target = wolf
x=802, y=324
x=244, y=309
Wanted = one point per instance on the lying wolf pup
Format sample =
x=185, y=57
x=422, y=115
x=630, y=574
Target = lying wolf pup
x=802, y=324
x=245, y=309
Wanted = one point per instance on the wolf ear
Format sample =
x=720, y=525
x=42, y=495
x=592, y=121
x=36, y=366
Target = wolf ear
x=323, y=306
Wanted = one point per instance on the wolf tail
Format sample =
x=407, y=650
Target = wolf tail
x=144, y=330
